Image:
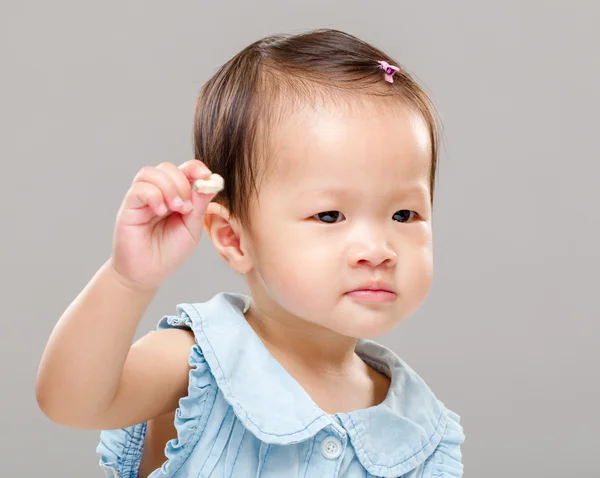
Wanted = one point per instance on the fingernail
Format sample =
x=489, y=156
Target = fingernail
x=177, y=202
x=162, y=209
x=187, y=206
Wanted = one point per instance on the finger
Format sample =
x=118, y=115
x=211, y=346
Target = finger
x=143, y=194
x=163, y=181
x=194, y=169
x=194, y=220
x=184, y=189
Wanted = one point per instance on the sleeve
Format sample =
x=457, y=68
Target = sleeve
x=447, y=457
x=120, y=450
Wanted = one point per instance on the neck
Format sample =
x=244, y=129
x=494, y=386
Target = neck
x=303, y=345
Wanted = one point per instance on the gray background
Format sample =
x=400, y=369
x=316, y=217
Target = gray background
x=508, y=338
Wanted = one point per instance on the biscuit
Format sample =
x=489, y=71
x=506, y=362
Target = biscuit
x=214, y=184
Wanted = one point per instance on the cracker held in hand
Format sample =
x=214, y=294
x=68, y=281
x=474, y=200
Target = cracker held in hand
x=213, y=184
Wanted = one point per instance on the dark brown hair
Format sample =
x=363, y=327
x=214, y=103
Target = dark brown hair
x=238, y=104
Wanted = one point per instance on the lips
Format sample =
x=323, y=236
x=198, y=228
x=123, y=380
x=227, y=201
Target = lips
x=373, y=292
x=378, y=286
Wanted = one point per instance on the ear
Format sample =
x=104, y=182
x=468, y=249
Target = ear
x=228, y=238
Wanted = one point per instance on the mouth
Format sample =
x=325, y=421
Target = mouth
x=373, y=293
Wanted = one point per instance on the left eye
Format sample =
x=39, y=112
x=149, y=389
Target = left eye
x=402, y=214
x=328, y=217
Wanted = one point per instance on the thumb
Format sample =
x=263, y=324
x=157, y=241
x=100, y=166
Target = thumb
x=194, y=220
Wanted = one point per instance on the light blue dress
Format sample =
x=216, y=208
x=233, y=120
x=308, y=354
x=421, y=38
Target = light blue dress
x=245, y=416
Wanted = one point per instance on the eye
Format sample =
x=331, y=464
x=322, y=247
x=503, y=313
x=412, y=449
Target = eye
x=328, y=217
x=399, y=215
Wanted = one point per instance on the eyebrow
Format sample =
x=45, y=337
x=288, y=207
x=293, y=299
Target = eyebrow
x=402, y=191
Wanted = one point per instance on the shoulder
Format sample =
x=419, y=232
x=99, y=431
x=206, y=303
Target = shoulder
x=173, y=338
x=166, y=372
x=168, y=347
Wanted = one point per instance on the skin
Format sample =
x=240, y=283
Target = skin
x=377, y=158
x=299, y=266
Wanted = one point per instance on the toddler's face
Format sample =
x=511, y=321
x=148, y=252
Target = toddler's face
x=345, y=205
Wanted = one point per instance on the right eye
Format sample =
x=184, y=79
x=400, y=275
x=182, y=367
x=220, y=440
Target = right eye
x=329, y=217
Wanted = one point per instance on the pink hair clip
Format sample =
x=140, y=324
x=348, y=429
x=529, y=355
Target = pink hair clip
x=389, y=70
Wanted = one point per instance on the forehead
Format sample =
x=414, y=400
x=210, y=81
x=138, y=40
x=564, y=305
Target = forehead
x=384, y=146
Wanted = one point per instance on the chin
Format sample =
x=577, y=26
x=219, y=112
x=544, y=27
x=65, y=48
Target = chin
x=370, y=332
x=366, y=324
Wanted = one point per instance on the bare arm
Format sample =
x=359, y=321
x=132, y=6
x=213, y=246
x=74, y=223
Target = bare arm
x=91, y=376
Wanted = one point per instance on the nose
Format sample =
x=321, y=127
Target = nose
x=373, y=253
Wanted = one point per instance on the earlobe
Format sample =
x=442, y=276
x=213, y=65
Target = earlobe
x=226, y=235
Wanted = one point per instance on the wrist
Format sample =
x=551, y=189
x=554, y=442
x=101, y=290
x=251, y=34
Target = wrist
x=127, y=283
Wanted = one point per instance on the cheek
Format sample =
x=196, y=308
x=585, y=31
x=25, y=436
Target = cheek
x=293, y=268
x=416, y=276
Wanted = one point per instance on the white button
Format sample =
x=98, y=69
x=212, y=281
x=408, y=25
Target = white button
x=331, y=448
